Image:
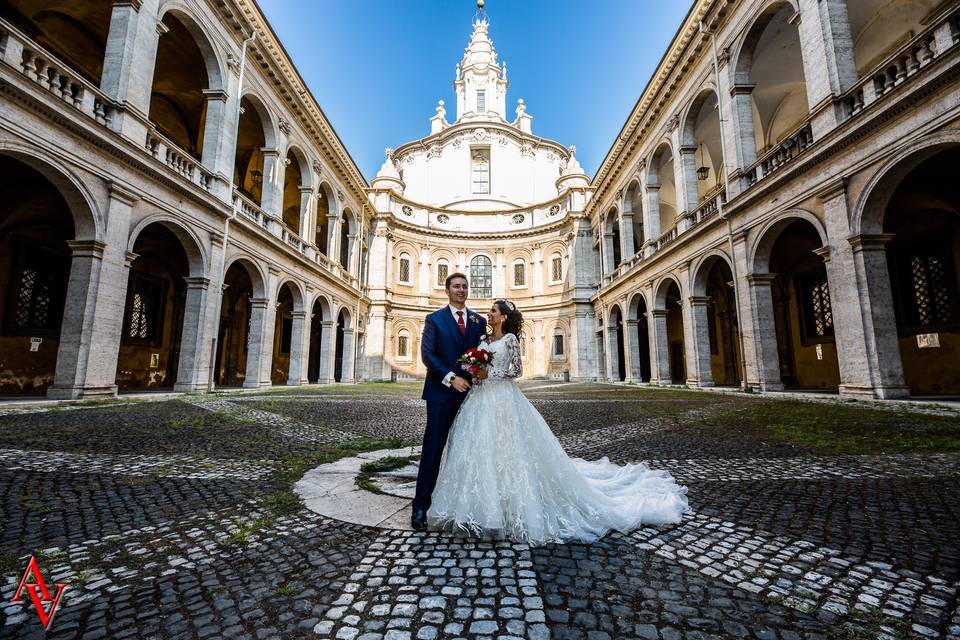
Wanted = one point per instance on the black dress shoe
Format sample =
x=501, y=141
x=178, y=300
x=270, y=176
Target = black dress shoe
x=419, y=520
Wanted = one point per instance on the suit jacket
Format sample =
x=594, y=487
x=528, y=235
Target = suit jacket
x=440, y=347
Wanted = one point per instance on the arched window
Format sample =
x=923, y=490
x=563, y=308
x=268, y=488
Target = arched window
x=403, y=344
x=480, y=170
x=405, y=268
x=481, y=277
x=519, y=273
x=443, y=270
x=558, y=346
x=345, y=241
x=556, y=268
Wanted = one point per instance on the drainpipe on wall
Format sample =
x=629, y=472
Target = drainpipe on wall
x=226, y=223
x=722, y=214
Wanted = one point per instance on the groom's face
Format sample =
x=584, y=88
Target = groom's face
x=458, y=290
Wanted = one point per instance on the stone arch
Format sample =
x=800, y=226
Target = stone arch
x=86, y=213
x=211, y=56
x=701, y=148
x=871, y=205
x=192, y=245
x=637, y=314
x=767, y=235
x=327, y=209
x=254, y=271
x=267, y=119
x=633, y=207
x=306, y=172
x=688, y=118
x=320, y=327
x=661, y=187
x=744, y=47
x=702, y=269
x=297, y=292
x=660, y=290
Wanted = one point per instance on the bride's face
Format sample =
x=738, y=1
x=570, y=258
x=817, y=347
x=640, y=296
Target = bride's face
x=494, y=316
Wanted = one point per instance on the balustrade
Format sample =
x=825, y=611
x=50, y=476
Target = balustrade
x=177, y=159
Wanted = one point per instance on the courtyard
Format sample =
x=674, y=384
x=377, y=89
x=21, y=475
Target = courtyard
x=177, y=518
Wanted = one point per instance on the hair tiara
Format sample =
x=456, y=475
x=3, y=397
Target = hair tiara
x=509, y=305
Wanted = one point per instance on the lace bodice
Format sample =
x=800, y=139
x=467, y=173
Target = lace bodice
x=506, y=356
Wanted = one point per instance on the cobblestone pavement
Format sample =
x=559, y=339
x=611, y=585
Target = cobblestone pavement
x=173, y=519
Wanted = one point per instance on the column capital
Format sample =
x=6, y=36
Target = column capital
x=259, y=303
x=688, y=150
x=834, y=189
x=699, y=301
x=129, y=258
x=742, y=89
x=298, y=315
x=133, y=4
x=122, y=193
x=86, y=248
x=197, y=282
x=823, y=252
x=761, y=279
x=215, y=94
x=658, y=313
x=869, y=241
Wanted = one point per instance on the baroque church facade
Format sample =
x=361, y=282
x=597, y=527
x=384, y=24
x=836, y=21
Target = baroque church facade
x=779, y=211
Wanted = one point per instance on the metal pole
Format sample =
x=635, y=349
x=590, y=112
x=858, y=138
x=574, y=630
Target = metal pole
x=720, y=210
x=226, y=223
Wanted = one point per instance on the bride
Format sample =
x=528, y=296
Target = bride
x=505, y=475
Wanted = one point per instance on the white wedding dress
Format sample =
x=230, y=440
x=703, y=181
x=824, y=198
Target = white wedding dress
x=505, y=475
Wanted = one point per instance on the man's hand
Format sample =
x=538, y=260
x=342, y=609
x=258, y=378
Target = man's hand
x=460, y=384
x=482, y=374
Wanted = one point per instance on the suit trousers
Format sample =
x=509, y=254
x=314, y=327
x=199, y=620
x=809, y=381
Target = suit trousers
x=440, y=416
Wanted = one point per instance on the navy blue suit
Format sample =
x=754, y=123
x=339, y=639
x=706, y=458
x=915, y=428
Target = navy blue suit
x=440, y=347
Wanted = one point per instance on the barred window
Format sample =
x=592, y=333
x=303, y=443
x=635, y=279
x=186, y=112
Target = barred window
x=816, y=317
x=36, y=305
x=145, y=309
x=519, y=274
x=404, y=268
x=480, y=170
x=481, y=277
x=927, y=294
x=443, y=270
x=556, y=268
x=558, y=344
x=481, y=101
x=403, y=344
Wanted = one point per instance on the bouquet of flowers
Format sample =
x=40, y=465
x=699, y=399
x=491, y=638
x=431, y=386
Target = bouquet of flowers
x=474, y=360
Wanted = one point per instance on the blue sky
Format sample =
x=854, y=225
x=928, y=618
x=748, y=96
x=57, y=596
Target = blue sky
x=378, y=67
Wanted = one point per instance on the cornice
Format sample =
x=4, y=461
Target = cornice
x=452, y=131
x=687, y=46
x=553, y=227
x=277, y=67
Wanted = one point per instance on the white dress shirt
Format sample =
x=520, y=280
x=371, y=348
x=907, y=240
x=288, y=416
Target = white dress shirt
x=448, y=379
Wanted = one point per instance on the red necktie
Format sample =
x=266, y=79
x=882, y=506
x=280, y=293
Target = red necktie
x=461, y=324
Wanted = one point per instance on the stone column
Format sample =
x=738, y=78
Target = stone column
x=261, y=324
x=499, y=282
x=423, y=279
x=538, y=274
x=633, y=331
x=659, y=346
x=193, y=372
x=608, y=256
x=651, y=217
x=826, y=46
x=299, y=349
x=306, y=215
x=626, y=234
x=699, y=360
x=128, y=65
x=629, y=340
x=375, y=345
x=333, y=238
x=218, y=132
x=328, y=342
x=881, y=348
x=271, y=197
x=95, y=303
x=687, y=195
x=349, y=349
x=582, y=348
x=610, y=352
x=764, y=331
x=744, y=137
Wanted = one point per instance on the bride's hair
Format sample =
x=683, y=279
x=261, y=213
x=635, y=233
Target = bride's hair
x=513, y=322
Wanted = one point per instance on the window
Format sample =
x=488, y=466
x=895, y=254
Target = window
x=480, y=165
x=145, y=309
x=481, y=277
x=926, y=296
x=286, y=334
x=481, y=101
x=519, y=274
x=816, y=317
x=558, y=344
x=443, y=270
x=405, y=268
x=403, y=344
x=556, y=268
x=36, y=305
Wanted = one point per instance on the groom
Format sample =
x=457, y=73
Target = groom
x=447, y=333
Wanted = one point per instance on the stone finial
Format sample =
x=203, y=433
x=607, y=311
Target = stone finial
x=441, y=110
